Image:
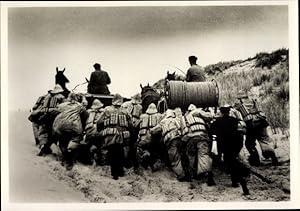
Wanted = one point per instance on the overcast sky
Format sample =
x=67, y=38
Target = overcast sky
x=134, y=44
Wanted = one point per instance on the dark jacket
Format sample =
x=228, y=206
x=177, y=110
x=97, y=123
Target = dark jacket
x=98, y=82
x=226, y=129
x=195, y=73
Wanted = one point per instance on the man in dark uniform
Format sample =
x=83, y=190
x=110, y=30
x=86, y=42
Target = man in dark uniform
x=226, y=130
x=195, y=72
x=98, y=81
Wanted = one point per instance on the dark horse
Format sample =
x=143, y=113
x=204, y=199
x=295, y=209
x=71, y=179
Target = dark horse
x=61, y=79
x=149, y=95
x=174, y=77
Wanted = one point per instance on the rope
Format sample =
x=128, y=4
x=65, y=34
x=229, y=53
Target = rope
x=79, y=85
x=201, y=94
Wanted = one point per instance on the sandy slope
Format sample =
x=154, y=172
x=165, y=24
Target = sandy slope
x=44, y=179
x=30, y=179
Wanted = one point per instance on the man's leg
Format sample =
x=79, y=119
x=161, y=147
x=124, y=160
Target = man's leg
x=35, y=128
x=266, y=145
x=250, y=145
x=204, y=161
x=175, y=158
x=45, y=140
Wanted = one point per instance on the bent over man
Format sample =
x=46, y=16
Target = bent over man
x=68, y=129
x=257, y=125
x=147, y=144
x=45, y=115
x=196, y=150
x=92, y=135
x=169, y=128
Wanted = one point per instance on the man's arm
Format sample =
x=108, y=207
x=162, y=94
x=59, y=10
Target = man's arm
x=91, y=78
x=156, y=130
x=188, y=77
x=108, y=81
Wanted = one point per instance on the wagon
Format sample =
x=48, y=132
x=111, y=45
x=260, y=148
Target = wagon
x=105, y=99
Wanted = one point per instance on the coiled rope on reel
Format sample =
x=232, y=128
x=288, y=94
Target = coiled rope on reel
x=201, y=94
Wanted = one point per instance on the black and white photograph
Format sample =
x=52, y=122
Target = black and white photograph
x=149, y=105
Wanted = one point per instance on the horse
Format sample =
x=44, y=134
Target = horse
x=174, y=77
x=61, y=79
x=149, y=95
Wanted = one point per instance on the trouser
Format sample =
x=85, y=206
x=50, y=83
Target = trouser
x=147, y=154
x=35, y=128
x=45, y=136
x=265, y=142
x=143, y=157
x=130, y=149
x=69, y=144
x=173, y=149
x=231, y=148
x=98, y=152
x=116, y=159
x=196, y=156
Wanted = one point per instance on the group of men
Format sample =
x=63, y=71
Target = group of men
x=122, y=136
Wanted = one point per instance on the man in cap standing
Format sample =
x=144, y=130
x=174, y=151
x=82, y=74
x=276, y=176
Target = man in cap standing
x=98, y=81
x=225, y=128
x=115, y=126
x=195, y=72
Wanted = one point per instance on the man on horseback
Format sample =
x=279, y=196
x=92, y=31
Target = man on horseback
x=98, y=81
x=195, y=72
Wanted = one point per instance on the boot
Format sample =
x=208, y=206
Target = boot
x=244, y=187
x=234, y=184
x=275, y=160
x=210, y=179
x=254, y=161
x=37, y=141
x=69, y=160
x=44, y=151
x=184, y=178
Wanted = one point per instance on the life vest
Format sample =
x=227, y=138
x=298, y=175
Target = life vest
x=241, y=124
x=39, y=103
x=51, y=101
x=116, y=123
x=247, y=107
x=170, y=129
x=135, y=110
x=191, y=123
x=94, y=115
x=148, y=121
